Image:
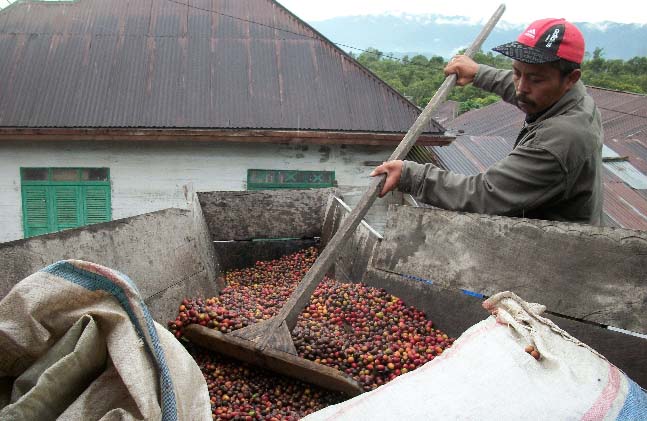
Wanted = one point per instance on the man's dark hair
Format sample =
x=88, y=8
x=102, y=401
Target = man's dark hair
x=565, y=67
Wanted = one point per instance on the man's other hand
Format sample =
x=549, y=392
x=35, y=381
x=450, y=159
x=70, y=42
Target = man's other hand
x=393, y=171
x=464, y=67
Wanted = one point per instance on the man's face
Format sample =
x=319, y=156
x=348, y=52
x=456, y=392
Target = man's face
x=538, y=86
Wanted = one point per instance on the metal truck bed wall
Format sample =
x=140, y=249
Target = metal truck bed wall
x=589, y=278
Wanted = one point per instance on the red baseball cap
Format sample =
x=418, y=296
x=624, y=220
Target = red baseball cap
x=545, y=41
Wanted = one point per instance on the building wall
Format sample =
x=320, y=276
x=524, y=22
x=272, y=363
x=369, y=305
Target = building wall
x=149, y=176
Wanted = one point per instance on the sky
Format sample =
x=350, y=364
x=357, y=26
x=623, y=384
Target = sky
x=517, y=11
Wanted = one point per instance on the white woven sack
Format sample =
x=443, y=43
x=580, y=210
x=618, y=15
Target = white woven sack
x=487, y=375
x=78, y=343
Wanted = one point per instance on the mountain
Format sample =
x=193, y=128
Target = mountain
x=445, y=35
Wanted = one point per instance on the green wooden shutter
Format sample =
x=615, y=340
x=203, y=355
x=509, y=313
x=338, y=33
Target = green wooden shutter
x=34, y=205
x=97, y=204
x=66, y=203
x=52, y=203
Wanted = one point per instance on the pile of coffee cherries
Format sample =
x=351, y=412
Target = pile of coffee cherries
x=364, y=332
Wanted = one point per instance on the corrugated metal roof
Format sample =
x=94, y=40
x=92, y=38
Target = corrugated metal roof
x=634, y=148
x=490, y=133
x=625, y=206
x=163, y=64
x=498, y=119
x=471, y=155
x=624, y=114
x=446, y=112
x=624, y=170
x=629, y=174
x=421, y=155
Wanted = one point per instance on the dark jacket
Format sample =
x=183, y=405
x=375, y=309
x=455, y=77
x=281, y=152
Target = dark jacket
x=554, y=172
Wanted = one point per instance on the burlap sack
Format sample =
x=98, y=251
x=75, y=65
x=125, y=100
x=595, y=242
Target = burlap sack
x=77, y=342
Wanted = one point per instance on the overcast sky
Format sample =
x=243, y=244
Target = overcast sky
x=517, y=11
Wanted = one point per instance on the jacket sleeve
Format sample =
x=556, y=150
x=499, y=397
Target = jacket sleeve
x=496, y=81
x=526, y=178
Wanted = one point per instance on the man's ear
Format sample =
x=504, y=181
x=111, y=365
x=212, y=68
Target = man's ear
x=573, y=77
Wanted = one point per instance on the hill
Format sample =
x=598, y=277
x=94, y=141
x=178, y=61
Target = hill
x=431, y=35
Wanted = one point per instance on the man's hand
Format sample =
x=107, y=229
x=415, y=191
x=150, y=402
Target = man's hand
x=464, y=67
x=393, y=171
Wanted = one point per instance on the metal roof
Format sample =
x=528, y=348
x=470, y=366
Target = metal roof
x=446, y=112
x=471, y=155
x=625, y=171
x=625, y=206
x=498, y=119
x=624, y=114
x=421, y=155
x=169, y=64
x=489, y=134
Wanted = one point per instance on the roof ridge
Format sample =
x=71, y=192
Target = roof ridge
x=616, y=90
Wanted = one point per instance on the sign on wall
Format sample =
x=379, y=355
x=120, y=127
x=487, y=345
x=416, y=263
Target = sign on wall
x=289, y=179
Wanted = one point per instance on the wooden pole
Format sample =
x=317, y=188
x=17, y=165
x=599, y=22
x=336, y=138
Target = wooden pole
x=273, y=333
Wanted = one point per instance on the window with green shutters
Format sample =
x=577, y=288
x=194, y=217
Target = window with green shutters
x=289, y=179
x=55, y=199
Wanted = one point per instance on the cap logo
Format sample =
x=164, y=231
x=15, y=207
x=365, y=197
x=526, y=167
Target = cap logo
x=552, y=38
x=530, y=33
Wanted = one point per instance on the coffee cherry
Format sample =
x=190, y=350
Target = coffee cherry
x=362, y=331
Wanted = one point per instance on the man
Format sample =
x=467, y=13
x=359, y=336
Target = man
x=554, y=170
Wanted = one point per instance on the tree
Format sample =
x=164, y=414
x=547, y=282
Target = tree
x=419, y=77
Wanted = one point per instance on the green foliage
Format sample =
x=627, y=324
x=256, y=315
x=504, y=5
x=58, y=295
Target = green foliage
x=630, y=75
x=418, y=77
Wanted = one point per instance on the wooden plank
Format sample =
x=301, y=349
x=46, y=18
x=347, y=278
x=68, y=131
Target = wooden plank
x=590, y=273
x=276, y=361
x=248, y=215
x=301, y=295
x=222, y=135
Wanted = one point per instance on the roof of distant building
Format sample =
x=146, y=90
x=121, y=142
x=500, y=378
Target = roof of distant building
x=167, y=64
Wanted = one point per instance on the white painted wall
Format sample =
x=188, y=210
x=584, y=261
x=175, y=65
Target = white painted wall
x=149, y=176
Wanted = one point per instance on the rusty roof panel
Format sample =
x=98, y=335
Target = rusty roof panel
x=197, y=76
x=625, y=206
x=136, y=19
x=623, y=169
x=155, y=64
x=610, y=177
x=471, y=155
x=633, y=148
x=446, y=112
x=624, y=114
x=421, y=155
x=499, y=119
x=266, y=102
